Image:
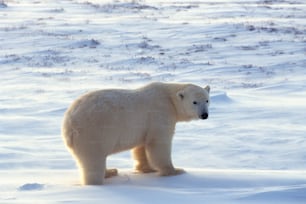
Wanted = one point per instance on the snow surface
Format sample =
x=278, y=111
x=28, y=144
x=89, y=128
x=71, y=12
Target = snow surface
x=252, y=53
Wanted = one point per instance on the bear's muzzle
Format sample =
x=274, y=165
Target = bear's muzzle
x=204, y=116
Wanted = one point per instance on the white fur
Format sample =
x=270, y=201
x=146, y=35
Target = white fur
x=104, y=122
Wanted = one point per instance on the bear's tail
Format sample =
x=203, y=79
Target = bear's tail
x=68, y=132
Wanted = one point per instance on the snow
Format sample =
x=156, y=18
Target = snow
x=251, y=53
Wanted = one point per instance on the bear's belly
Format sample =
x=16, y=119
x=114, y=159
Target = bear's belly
x=128, y=132
x=127, y=142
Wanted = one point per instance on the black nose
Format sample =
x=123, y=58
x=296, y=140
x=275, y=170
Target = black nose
x=204, y=116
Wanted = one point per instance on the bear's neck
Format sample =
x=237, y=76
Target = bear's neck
x=173, y=89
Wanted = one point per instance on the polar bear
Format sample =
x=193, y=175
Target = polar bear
x=104, y=122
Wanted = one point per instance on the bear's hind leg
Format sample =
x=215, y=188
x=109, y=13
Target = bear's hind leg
x=141, y=162
x=93, y=172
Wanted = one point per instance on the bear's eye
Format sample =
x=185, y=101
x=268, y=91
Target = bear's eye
x=207, y=101
x=195, y=103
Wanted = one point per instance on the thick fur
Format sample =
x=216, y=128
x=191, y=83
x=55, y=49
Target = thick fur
x=105, y=122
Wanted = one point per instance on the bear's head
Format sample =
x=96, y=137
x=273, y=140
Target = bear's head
x=194, y=102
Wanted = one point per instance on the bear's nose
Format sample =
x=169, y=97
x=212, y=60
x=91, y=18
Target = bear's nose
x=204, y=116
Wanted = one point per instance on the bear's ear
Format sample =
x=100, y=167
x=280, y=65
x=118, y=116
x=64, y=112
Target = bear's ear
x=180, y=94
x=207, y=88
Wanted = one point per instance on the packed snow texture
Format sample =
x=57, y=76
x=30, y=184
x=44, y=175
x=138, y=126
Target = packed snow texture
x=252, y=53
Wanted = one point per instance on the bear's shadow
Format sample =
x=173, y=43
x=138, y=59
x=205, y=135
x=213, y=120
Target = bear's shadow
x=237, y=185
x=197, y=179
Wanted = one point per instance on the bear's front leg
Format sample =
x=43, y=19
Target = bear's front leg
x=159, y=155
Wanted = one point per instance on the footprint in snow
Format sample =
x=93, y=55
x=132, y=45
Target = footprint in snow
x=31, y=187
